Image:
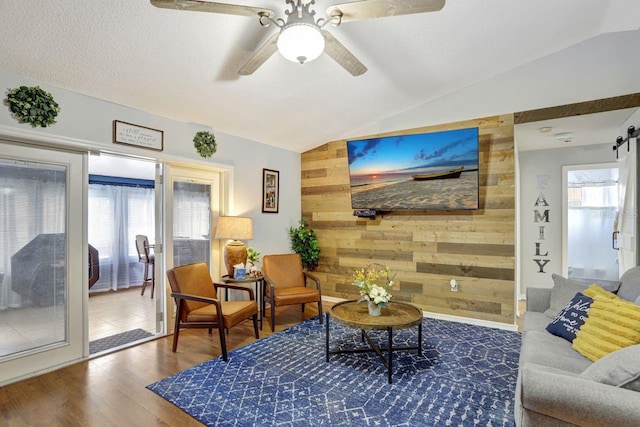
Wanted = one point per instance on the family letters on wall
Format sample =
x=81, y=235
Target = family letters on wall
x=541, y=217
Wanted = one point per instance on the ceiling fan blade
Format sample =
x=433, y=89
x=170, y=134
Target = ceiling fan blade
x=370, y=9
x=211, y=7
x=342, y=56
x=260, y=57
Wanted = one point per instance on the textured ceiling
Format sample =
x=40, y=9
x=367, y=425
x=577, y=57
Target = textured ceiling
x=183, y=65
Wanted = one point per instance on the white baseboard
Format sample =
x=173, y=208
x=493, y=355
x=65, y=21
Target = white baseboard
x=450, y=318
x=332, y=299
x=470, y=321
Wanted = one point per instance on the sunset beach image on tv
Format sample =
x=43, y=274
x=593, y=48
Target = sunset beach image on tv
x=426, y=171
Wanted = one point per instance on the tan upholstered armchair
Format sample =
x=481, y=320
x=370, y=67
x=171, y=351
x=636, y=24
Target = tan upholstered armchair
x=286, y=284
x=198, y=305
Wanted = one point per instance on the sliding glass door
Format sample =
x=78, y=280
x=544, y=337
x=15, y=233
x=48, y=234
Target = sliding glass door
x=192, y=196
x=195, y=196
x=191, y=222
x=41, y=259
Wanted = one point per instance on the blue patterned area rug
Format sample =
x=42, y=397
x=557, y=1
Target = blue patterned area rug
x=466, y=377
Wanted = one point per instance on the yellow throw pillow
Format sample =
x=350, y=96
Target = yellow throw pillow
x=594, y=290
x=611, y=324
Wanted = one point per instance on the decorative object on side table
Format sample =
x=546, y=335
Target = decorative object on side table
x=270, y=191
x=235, y=228
x=32, y=105
x=304, y=242
x=205, y=143
x=239, y=273
x=375, y=286
x=253, y=257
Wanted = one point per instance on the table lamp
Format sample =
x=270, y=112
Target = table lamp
x=235, y=228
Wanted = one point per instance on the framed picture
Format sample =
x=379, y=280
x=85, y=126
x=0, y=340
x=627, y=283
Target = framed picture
x=270, y=190
x=138, y=136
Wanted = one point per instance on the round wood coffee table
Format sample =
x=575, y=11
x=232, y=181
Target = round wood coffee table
x=396, y=315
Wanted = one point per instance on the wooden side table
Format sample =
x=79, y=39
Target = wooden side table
x=258, y=281
x=396, y=315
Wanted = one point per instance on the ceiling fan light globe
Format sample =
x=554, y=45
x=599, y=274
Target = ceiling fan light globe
x=300, y=42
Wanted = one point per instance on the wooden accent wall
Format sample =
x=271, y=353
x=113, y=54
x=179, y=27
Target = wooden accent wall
x=426, y=249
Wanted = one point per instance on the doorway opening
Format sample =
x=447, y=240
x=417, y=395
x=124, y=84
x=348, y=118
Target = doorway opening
x=591, y=194
x=121, y=206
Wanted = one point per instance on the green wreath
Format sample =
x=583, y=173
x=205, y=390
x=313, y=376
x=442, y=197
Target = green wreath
x=205, y=143
x=32, y=105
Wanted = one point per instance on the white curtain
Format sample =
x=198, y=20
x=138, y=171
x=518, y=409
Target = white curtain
x=116, y=215
x=30, y=205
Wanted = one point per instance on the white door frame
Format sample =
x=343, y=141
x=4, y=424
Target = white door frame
x=158, y=251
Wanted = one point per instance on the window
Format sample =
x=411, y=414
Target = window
x=117, y=213
x=33, y=256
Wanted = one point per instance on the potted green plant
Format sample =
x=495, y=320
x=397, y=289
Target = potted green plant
x=253, y=257
x=304, y=242
x=32, y=105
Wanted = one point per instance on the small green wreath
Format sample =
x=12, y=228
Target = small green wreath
x=205, y=143
x=32, y=105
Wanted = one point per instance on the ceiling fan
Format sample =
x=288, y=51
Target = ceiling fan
x=302, y=38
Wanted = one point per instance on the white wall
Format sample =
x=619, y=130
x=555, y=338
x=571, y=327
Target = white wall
x=87, y=122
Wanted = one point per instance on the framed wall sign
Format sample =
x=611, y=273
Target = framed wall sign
x=138, y=136
x=270, y=190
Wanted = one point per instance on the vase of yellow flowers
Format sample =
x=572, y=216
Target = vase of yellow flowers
x=374, y=283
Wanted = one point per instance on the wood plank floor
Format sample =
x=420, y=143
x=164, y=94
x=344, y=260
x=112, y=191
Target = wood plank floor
x=110, y=390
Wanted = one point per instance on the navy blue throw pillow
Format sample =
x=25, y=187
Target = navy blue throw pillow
x=568, y=322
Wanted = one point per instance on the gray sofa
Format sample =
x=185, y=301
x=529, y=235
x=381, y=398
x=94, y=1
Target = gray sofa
x=556, y=385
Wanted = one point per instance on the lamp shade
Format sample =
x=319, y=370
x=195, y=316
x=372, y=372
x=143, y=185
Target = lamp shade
x=234, y=227
x=300, y=42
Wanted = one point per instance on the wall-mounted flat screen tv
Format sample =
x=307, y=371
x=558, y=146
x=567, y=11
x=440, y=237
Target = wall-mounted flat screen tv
x=425, y=171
